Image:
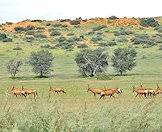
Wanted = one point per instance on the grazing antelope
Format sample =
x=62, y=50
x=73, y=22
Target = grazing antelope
x=109, y=92
x=141, y=91
x=30, y=91
x=94, y=90
x=16, y=91
x=56, y=90
x=151, y=92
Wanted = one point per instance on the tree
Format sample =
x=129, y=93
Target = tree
x=13, y=67
x=41, y=61
x=92, y=62
x=124, y=59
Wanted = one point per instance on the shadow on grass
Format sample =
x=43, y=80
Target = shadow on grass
x=30, y=78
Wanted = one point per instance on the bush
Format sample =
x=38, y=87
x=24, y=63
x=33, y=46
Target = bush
x=143, y=39
x=65, y=45
x=122, y=31
x=159, y=29
x=75, y=22
x=59, y=25
x=157, y=38
x=96, y=38
x=107, y=43
x=122, y=39
x=148, y=22
x=19, y=29
x=81, y=46
x=113, y=17
x=4, y=38
x=55, y=33
x=7, y=40
x=39, y=35
x=99, y=27
x=61, y=39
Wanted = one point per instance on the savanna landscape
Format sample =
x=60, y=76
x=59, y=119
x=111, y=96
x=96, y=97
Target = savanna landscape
x=63, y=101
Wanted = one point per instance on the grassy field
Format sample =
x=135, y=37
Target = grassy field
x=79, y=110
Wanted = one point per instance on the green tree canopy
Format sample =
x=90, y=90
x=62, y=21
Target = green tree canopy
x=41, y=61
x=92, y=62
x=124, y=59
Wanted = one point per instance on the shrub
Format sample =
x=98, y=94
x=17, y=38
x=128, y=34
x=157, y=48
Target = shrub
x=55, y=33
x=81, y=46
x=157, y=38
x=59, y=25
x=61, y=39
x=159, y=29
x=99, y=27
x=143, y=39
x=122, y=31
x=107, y=43
x=7, y=40
x=40, y=35
x=121, y=39
x=19, y=29
x=2, y=36
x=148, y=22
x=113, y=17
x=75, y=22
x=96, y=38
x=65, y=45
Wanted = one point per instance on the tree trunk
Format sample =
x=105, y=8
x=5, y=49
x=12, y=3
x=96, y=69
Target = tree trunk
x=41, y=73
x=121, y=73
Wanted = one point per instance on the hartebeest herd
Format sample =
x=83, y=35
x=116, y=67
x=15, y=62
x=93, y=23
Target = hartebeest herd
x=140, y=91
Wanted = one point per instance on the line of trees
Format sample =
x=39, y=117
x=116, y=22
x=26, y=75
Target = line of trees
x=91, y=62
